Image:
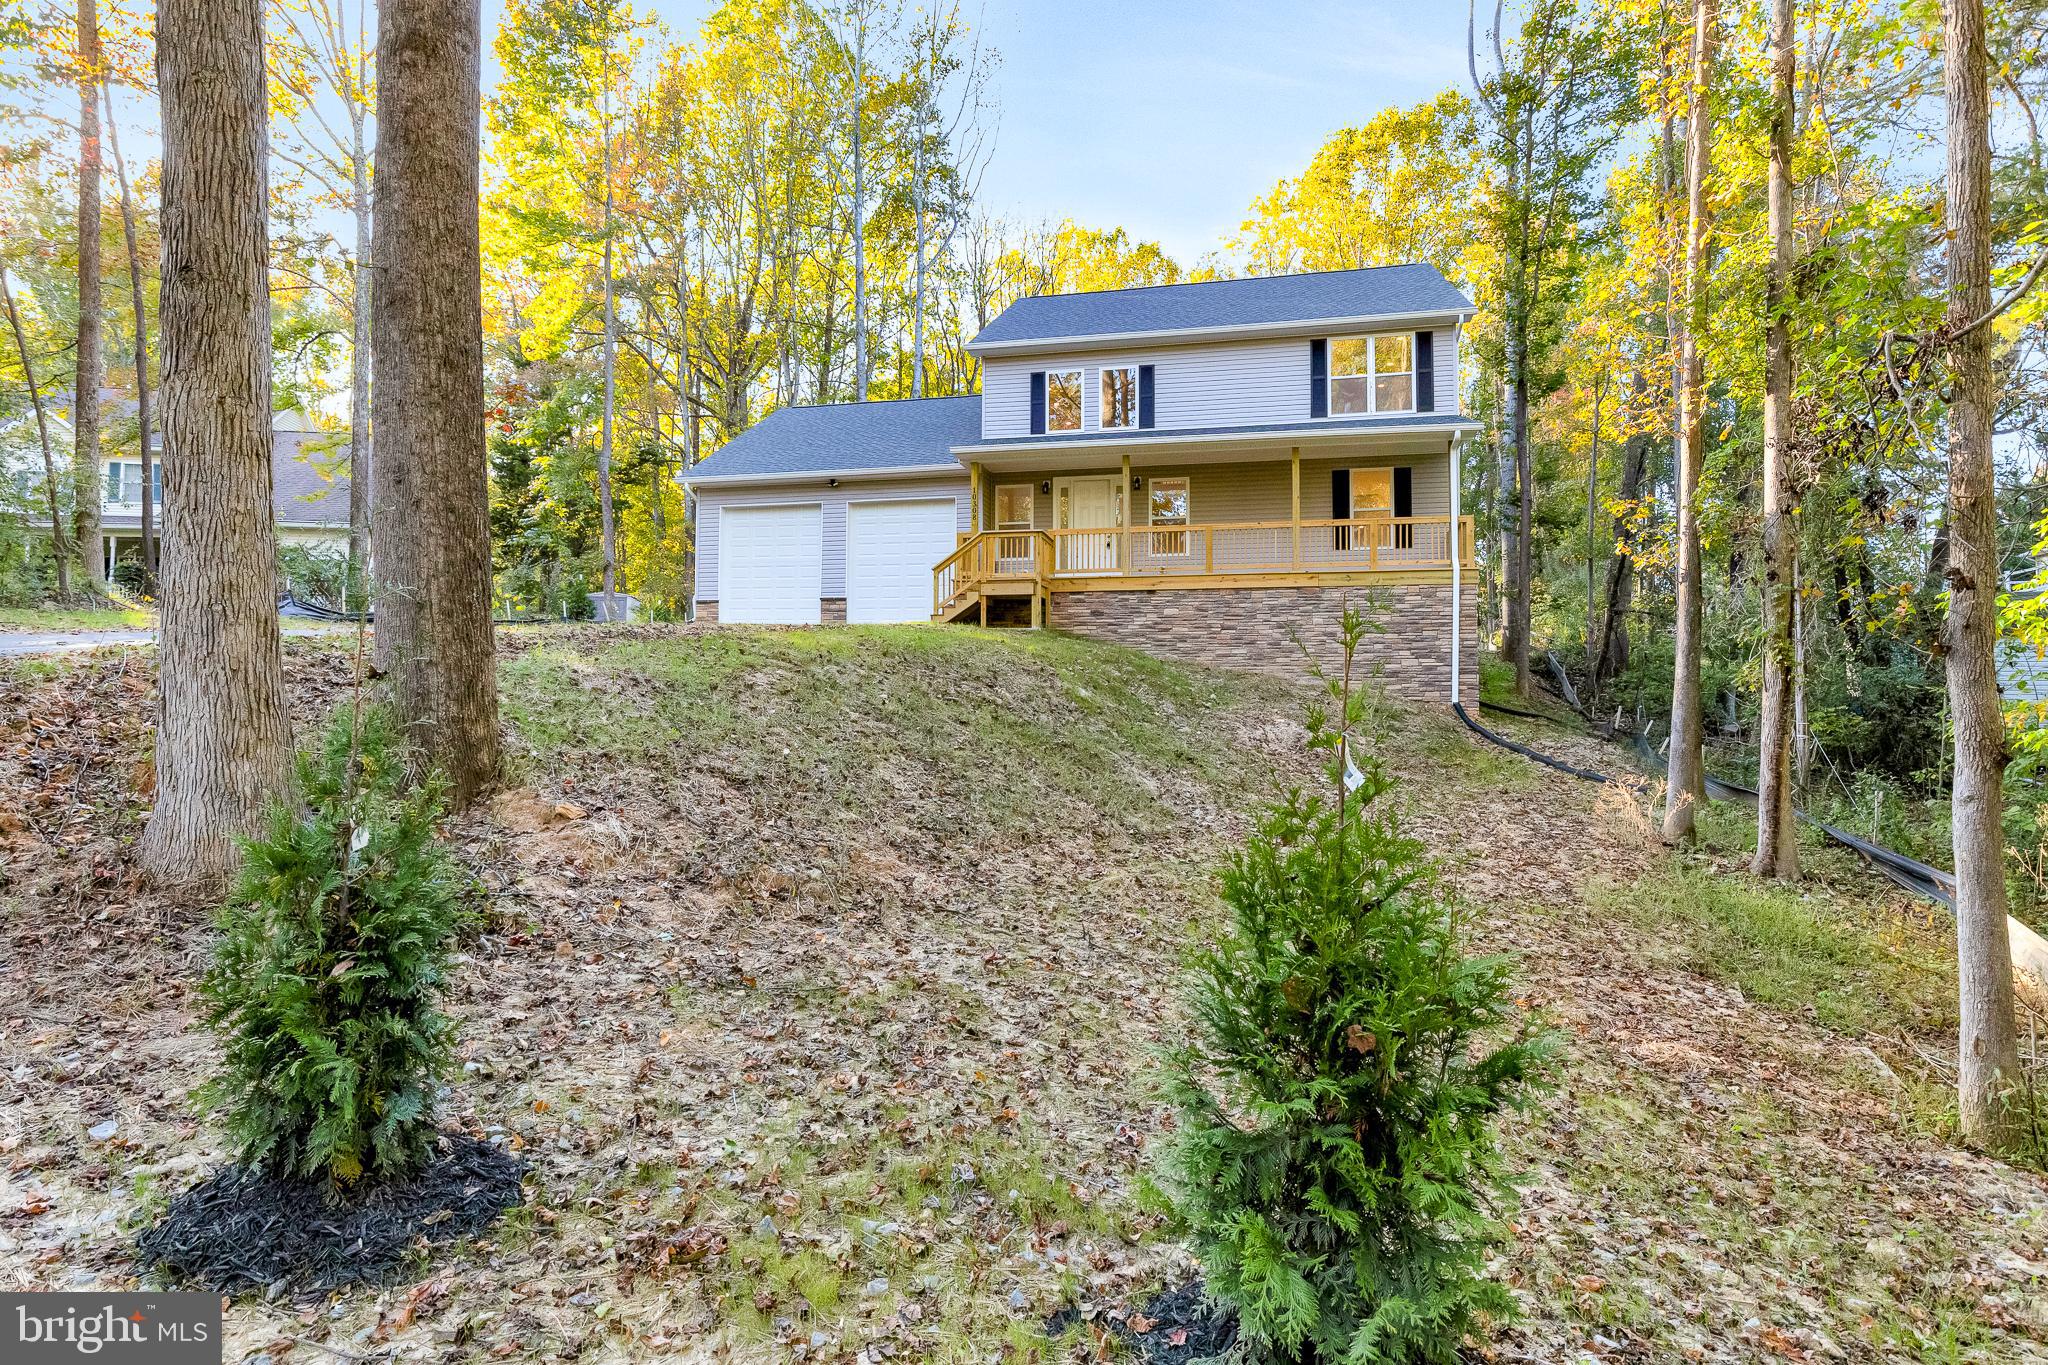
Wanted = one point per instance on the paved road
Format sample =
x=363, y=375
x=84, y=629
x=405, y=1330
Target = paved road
x=63, y=641
x=59, y=642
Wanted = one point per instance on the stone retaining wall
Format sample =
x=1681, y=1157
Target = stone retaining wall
x=1258, y=629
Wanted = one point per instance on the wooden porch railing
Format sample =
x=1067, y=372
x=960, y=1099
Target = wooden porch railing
x=992, y=555
x=1212, y=549
x=1256, y=547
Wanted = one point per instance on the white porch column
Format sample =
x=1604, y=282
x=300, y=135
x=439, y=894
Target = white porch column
x=1457, y=570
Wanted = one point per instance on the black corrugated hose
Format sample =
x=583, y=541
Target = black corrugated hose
x=1909, y=873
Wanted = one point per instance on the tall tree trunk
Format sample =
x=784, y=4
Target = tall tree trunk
x=60, y=549
x=860, y=230
x=1592, y=536
x=433, y=582
x=1777, y=830
x=223, y=746
x=1802, y=735
x=91, y=370
x=1686, y=781
x=135, y=292
x=1988, y=1060
x=1525, y=524
x=361, y=456
x=917, y=322
x=608, y=535
x=1612, y=658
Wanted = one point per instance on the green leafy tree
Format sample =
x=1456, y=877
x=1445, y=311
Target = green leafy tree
x=1334, y=1160
x=334, y=951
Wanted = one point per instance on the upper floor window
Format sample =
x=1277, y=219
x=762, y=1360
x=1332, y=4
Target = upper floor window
x=1119, y=396
x=1372, y=374
x=1063, y=400
x=124, y=481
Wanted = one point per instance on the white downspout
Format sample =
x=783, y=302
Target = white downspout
x=1457, y=572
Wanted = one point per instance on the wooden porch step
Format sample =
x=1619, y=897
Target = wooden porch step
x=958, y=605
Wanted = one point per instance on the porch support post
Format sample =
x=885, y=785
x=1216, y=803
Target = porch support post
x=974, y=497
x=1294, y=462
x=1123, y=501
x=1457, y=569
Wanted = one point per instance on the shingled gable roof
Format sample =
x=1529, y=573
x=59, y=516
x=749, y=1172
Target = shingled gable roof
x=301, y=492
x=904, y=435
x=1272, y=303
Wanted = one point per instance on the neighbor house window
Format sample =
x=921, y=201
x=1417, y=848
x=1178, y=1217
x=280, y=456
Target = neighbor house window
x=1167, y=504
x=1372, y=374
x=1063, y=400
x=1119, y=396
x=124, y=481
x=1013, y=506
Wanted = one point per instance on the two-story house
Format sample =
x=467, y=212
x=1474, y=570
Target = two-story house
x=308, y=490
x=1206, y=471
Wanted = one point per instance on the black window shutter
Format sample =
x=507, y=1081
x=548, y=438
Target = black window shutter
x=1038, y=402
x=1425, y=374
x=1319, y=383
x=1340, y=507
x=1144, y=395
x=1404, y=491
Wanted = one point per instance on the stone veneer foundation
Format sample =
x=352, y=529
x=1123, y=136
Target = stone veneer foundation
x=1258, y=629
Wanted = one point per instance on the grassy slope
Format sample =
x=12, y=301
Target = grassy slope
x=67, y=619
x=828, y=1020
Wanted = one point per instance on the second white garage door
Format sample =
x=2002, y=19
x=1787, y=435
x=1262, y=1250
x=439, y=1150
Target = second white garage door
x=890, y=550
x=770, y=565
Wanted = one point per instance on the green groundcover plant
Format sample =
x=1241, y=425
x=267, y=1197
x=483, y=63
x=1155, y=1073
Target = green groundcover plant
x=1334, y=1158
x=334, y=950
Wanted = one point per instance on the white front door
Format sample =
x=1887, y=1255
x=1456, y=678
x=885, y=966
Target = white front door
x=1085, y=504
x=891, y=549
x=770, y=565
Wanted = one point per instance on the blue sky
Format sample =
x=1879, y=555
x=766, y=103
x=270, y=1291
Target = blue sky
x=1168, y=118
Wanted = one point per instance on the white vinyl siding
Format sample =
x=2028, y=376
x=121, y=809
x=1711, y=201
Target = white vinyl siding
x=830, y=501
x=891, y=548
x=1216, y=385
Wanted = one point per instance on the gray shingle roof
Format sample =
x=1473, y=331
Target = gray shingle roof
x=301, y=491
x=849, y=438
x=1256, y=301
x=308, y=480
x=1307, y=426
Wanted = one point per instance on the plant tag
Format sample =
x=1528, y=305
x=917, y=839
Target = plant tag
x=360, y=839
x=1353, y=779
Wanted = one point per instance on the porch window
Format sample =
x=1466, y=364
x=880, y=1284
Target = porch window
x=1119, y=396
x=1014, y=506
x=1063, y=400
x=1372, y=493
x=1372, y=374
x=1168, y=503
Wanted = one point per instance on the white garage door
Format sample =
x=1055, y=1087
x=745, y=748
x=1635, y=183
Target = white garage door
x=890, y=550
x=770, y=565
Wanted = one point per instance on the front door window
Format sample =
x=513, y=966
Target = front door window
x=1088, y=504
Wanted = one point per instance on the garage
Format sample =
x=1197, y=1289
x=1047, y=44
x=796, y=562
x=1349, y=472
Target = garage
x=771, y=564
x=890, y=550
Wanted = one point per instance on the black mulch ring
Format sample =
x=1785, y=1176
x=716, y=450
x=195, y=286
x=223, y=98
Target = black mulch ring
x=243, y=1230
x=1182, y=1326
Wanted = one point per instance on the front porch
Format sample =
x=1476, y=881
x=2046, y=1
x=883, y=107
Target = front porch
x=1042, y=529
x=1306, y=553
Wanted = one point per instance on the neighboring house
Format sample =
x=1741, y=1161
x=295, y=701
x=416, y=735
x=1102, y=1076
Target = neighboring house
x=308, y=492
x=1205, y=471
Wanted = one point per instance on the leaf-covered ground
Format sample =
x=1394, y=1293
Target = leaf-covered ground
x=822, y=985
